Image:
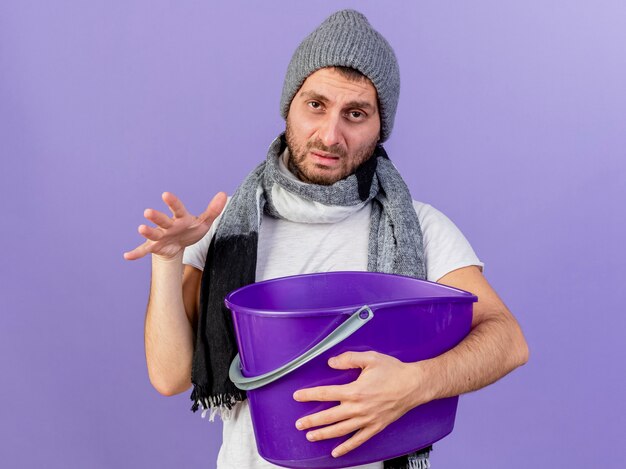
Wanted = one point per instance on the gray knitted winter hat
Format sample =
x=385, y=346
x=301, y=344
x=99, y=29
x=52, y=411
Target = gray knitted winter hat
x=347, y=39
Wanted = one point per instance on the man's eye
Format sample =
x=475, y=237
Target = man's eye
x=356, y=114
x=315, y=105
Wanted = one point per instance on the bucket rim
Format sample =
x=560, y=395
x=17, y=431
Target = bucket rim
x=460, y=296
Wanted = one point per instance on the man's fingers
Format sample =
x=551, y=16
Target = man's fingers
x=137, y=253
x=325, y=417
x=357, y=440
x=175, y=205
x=214, y=208
x=158, y=218
x=153, y=234
x=166, y=226
x=335, y=431
x=323, y=393
x=348, y=360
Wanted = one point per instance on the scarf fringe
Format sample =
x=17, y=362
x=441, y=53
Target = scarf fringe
x=419, y=463
x=418, y=460
x=212, y=405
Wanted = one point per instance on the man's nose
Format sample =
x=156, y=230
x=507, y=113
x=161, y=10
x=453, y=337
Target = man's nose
x=330, y=130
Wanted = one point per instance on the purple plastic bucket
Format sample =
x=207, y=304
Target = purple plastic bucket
x=279, y=320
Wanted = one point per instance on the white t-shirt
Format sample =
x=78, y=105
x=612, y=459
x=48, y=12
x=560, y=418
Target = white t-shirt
x=288, y=248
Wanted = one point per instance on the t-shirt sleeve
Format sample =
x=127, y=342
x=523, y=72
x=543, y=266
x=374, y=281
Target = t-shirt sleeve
x=445, y=247
x=195, y=255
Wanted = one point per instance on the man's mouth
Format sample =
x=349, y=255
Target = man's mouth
x=325, y=155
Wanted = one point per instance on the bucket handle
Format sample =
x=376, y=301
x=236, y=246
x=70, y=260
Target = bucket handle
x=342, y=332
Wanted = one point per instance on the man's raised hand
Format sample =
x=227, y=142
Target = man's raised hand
x=172, y=234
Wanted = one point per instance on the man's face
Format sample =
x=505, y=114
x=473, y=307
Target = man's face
x=333, y=126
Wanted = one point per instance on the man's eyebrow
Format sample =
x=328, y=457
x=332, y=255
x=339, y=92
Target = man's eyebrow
x=360, y=104
x=324, y=99
x=314, y=95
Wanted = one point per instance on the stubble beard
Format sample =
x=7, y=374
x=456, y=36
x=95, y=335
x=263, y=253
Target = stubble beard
x=298, y=153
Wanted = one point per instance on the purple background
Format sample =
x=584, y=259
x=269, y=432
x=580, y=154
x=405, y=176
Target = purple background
x=512, y=121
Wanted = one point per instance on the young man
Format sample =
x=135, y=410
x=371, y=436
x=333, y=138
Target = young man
x=327, y=198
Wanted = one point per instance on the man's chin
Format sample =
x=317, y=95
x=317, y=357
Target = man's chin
x=320, y=177
x=313, y=175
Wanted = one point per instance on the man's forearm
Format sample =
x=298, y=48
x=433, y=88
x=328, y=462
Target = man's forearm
x=168, y=333
x=492, y=349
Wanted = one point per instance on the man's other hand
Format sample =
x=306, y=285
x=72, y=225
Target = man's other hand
x=384, y=391
x=173, y=234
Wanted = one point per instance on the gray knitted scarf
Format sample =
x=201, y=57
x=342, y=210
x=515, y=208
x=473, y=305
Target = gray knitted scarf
x=395, y=246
